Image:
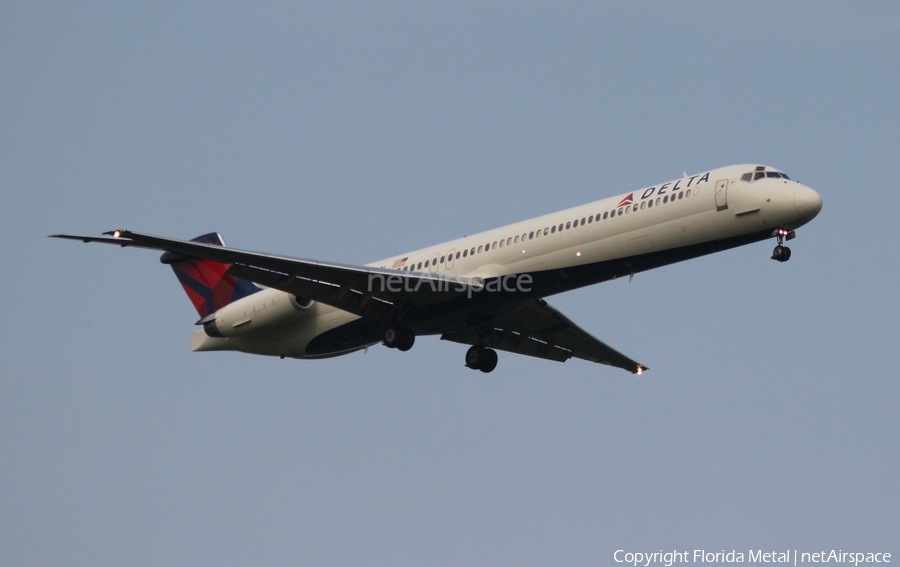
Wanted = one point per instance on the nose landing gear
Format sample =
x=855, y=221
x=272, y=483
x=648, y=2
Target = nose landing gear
x=782, y=253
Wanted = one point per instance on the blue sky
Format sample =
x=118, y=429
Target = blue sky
x=352, y=132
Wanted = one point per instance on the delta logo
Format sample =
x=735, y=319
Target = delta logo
x=629, y=200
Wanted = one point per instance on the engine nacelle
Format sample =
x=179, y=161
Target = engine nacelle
x=261, y=311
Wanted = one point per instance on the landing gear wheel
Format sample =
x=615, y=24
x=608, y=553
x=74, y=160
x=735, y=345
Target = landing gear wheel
x=399, y=337
x=490, y=360
x=782, y=253
x=473, y=357
x=480, y=358
x=408, y=340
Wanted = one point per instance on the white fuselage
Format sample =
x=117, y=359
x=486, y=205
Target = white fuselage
x=712, y=207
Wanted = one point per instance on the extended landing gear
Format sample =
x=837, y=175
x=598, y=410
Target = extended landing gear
x=399, y=337
x=782, y=253
x=480, y=358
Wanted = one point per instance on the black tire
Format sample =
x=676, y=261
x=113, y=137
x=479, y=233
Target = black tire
x=392, y=337
x=474, y=357
x=409, y=339
x=786, y=254
x=399, y=337
x=488, y=361
x=778, y=253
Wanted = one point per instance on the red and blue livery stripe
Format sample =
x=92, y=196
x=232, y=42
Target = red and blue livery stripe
x=207, y=285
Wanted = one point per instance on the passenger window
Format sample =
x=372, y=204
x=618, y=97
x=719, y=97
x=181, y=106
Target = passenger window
x=582, y=222
x=657, y=200
x=590, y=219
x=545, y=231
x=680, y=195
x=605, y=215
x=516, y=241
x=457, y=255
x=531, y=235
x=634, y=208
x=627, y=210
x=560, y=227
x=553, y=229
x=568, y=226
x=494, y=247
x=687, y=193
x=472, y=251
x=649, y=203
x=465, y=253
x=420, y=266
x=479, y=249
x=501, y=244
x=426, y=263
x=508, y=241
x=442, y=259
x=644, y=204
x=620, y=212
x=666, y=199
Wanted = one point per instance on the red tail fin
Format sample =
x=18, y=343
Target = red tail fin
x=207, y=285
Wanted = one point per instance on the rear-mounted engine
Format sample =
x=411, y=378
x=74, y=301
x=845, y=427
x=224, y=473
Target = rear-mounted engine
x=261, y=311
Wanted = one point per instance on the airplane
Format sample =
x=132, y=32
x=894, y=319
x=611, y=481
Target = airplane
x=487, y=290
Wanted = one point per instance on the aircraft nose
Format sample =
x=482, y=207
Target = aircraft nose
x=808, y=202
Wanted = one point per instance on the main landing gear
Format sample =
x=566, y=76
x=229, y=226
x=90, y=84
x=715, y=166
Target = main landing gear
x=399, y=337
x=480, y=358
x=782, y=253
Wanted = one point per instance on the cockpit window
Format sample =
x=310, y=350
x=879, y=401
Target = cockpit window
x=760, y=173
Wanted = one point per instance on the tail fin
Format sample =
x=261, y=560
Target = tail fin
x=207, y=285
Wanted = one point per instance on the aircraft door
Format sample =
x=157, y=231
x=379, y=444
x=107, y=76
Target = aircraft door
x=722, y=195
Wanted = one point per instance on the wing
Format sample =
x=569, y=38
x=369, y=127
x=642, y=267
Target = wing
x=369, y=292
x=536, y=329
